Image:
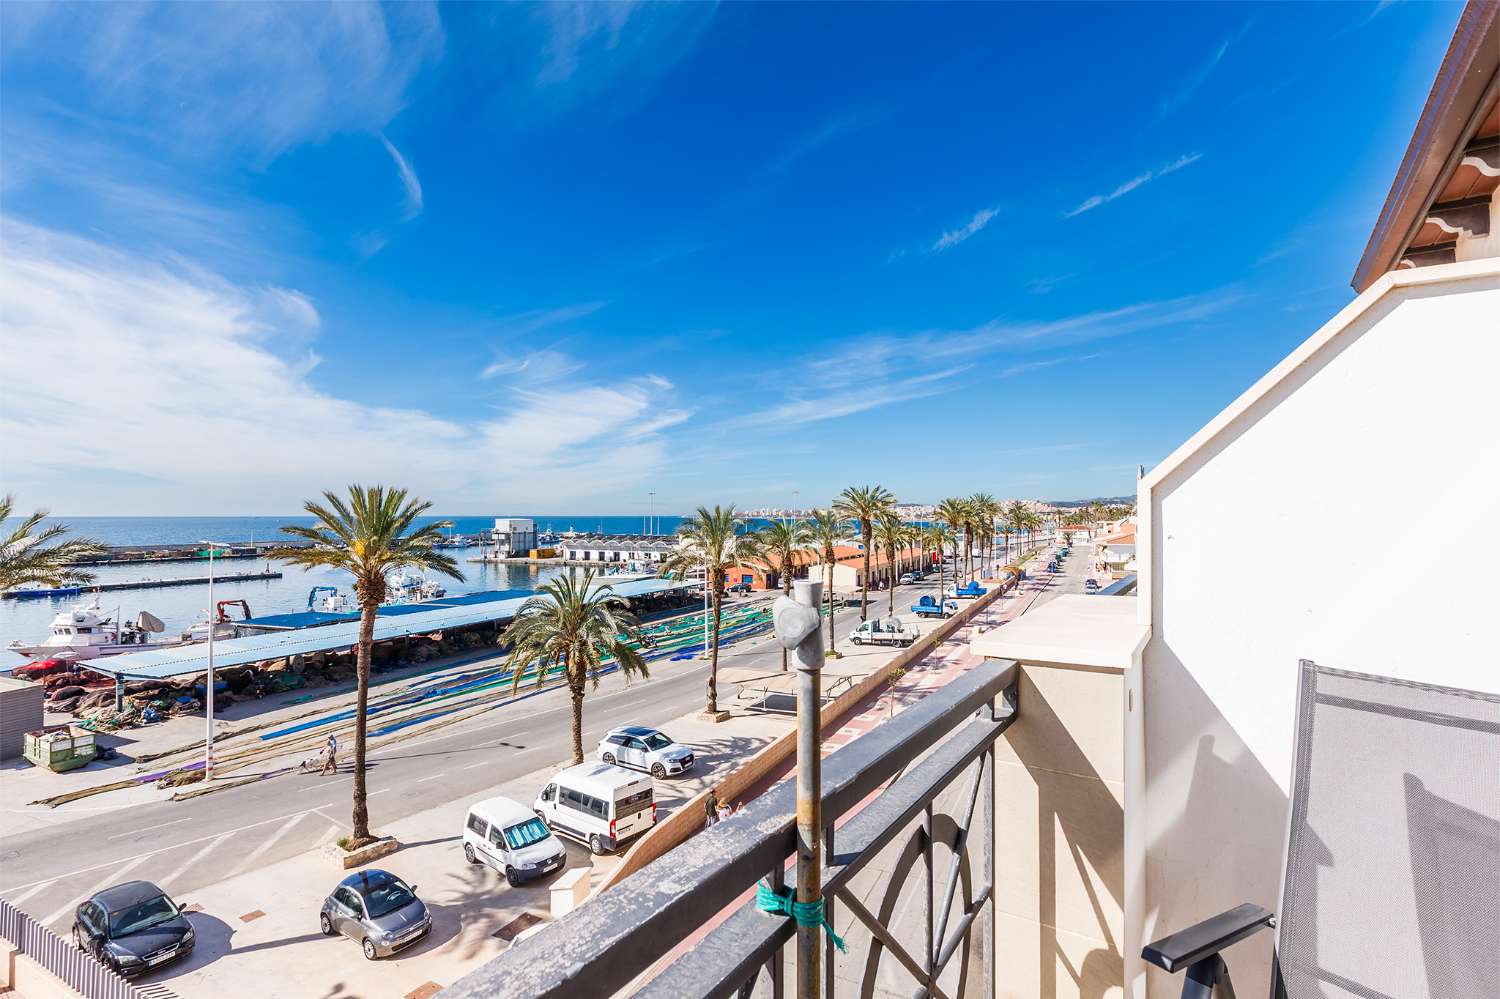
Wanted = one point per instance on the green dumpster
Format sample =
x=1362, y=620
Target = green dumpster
x=59, y=747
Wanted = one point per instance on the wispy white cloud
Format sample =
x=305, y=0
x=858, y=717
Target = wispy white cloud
x=953, y=237
x=1187, y=159
x=1183, y=94
x=1047, y=283
x=827, y=132
x=166, y=359
x=242, y=79
x=409, y=182
x=525, y=323
x=831, y=406
x=1375, y=11
x=537, y=366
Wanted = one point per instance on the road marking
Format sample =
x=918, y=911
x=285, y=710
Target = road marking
x=374, y=793
x=163, y=849
x=323, y=786
x=159, y=825
x=182, y=869
x=18, y=899
x=440, y=773
x=476, y=766
x=116, y=872
x=274, y=838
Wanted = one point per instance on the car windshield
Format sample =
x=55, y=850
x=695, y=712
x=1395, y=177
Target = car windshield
x=657, y=741
x=528, y=832
x=141, y=916
x=387, y=898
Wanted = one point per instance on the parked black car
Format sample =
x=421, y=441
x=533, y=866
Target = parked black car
x=133, y=928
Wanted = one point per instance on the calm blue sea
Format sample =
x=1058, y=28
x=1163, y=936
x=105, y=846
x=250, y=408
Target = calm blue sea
x=179, y=607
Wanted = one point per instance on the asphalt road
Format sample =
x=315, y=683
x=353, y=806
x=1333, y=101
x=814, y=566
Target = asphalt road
x=182, y=846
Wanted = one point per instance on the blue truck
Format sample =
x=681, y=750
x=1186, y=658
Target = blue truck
x=928, y=606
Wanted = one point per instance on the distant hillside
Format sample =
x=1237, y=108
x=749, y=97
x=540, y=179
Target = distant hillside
x=1102, y=500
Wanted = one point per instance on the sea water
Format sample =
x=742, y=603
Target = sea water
x=179, y=607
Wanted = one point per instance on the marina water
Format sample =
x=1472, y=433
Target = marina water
x=179, y=607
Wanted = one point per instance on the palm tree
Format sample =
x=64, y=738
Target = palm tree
x=575, y=626
x=369, y=536
x=1016, y=513
x=27, y=558
x=864, y=505
x=986, y=507
x=939, y=536
x=780, y=541
x=955, y=513
x=890, y=534
x=710, y=541
x=827, y=528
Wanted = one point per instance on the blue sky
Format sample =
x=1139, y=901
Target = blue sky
x=555, y=257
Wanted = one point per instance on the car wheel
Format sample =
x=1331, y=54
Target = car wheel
x=857, y=641
x=469, y=854
x=369, y=949
x=511, y=879
x=596, y=846
x=325, y=924
x=609, y=758
x=658, y=771
x=542, y=817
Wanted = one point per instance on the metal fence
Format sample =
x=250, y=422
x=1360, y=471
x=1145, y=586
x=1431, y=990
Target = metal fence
x=78, y=970
x=903, y=827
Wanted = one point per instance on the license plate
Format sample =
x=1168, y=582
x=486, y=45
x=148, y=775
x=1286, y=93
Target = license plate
x=158, y=959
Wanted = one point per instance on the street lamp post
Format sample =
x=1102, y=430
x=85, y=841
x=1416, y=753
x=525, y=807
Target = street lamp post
x=208, y=692
x=799, y=628
x=651, y=517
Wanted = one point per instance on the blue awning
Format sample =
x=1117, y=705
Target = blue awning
x=414, y=619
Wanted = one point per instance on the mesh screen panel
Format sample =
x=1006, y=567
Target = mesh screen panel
x=1393, y=862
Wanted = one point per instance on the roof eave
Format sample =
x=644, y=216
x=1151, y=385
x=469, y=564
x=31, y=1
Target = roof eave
x=1461, y=93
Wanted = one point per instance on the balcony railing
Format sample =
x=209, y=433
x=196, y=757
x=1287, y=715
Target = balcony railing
x=903, y=826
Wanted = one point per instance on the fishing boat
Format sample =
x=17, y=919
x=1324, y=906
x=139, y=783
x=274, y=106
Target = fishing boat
x=86, y=631
x=408, y=587
x=39, y=592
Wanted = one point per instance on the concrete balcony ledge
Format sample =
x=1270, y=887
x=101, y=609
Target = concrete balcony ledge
x=1066, y=775
x=1073, y=630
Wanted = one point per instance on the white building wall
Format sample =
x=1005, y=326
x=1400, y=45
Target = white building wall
x=1386, y=417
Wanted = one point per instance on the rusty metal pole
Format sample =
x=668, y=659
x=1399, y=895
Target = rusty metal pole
x=799, y=625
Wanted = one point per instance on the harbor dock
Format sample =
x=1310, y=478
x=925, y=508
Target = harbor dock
x=151, y=584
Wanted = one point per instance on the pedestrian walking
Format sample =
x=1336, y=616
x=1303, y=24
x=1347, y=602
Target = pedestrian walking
x=711, y=808
x=330, y=755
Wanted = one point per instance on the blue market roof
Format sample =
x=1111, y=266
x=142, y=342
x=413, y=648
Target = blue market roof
x=413, y=619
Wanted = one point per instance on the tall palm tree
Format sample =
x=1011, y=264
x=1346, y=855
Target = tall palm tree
x=986, y=507
x=1016, y=513
x=828, y=529
x=940, y=536
x=574, y=625
x=371, y=535
x=864, y=505
x=780, y=541
x=27, y=557
x=891, y=535
x=710, y=540
x=955, y=513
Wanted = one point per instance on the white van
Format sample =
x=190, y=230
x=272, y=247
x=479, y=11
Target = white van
x=503, y=834
x=598, y=804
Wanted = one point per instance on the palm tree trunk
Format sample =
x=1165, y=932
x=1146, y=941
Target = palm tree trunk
x=361, y=817
x=577, y=692
x=864, y=589
x=713, y=658
x=892, y=554
x=828, y=578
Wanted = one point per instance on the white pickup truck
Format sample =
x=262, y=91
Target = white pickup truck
x=885, y=631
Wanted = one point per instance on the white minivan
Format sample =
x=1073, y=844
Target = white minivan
x=599, y=804
x=503, y=834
